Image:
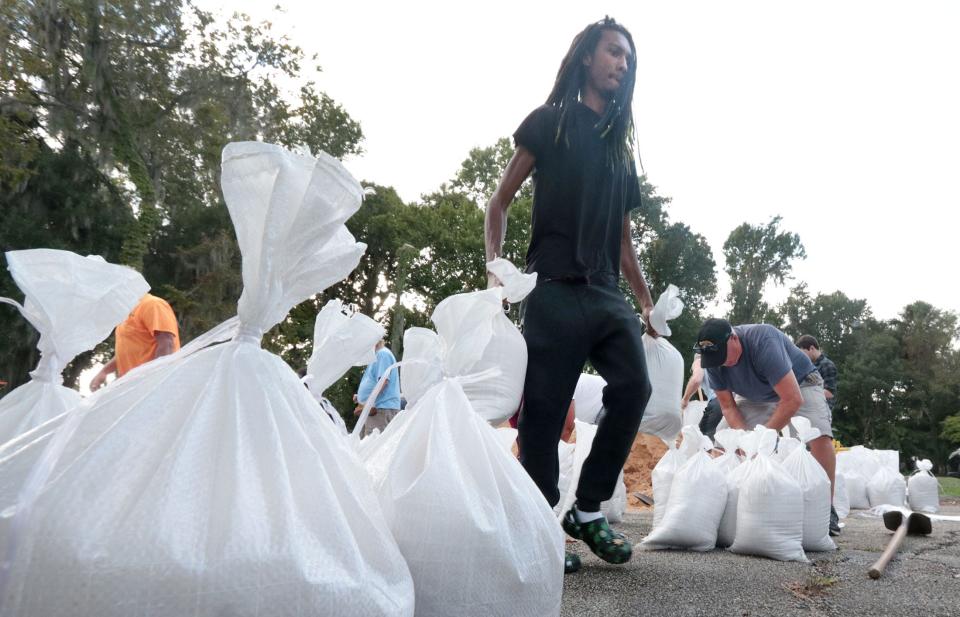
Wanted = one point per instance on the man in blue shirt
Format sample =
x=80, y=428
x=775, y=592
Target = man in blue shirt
x=761, y=377
x=388, y=403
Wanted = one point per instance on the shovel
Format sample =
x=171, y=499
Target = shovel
x=912, y=523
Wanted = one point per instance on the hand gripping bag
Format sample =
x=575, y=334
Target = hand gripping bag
x=841, y=498
x=769, y=511
x=571, y=462
x=887, y=487
x=815, y=485
x=340, y=341
x=662, y=416
x=210, y=485
x=923, y=489
x=749, y=442
x=74, y=303
x=477, y=534
x=697, y=499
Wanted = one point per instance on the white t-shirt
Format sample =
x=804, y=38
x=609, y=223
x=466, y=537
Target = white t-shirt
x=589, y=397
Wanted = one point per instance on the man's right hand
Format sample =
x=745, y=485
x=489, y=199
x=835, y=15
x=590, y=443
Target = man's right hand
x=97, y=382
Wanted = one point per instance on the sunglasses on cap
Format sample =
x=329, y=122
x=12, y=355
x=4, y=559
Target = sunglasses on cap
x=710, y=346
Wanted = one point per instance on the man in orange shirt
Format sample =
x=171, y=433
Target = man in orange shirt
x=150, y=331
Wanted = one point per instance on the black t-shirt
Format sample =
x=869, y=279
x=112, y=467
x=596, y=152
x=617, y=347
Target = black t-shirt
x=579, y=199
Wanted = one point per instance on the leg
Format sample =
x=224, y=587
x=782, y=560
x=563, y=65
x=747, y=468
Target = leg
x=553, y=327
x=816, y=410
x=822, y=449
x=619, y=358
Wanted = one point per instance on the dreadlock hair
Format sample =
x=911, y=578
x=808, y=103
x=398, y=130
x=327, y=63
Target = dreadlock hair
x=616, y=125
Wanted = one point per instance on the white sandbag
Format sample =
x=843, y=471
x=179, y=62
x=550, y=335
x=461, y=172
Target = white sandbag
x=479, y=336
x=74, y=303
x=693, y=413
x=857, y=464
x=887, y=487
x=665, y=369
x=589, y=397
x=923, y=489
x=664, y=471
x=750, y=442
x=815, y=484
x=508, y=437
x=697, y=499
x=612, y=508
x=769, y=512
x=729, y=440
x=856, y=491
x=211, y=484
x=669, y=306
x=841, y=497
x=477, y=534
x=785, y=447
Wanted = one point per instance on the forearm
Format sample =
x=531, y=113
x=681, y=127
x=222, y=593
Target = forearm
x=692, y=386
x=630, y=267
x=164, y=342
x=495, y=227
x=731, y=413
x=782, y=413
x=109, y=368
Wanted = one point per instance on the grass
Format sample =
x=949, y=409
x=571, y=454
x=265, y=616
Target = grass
x=951, y=486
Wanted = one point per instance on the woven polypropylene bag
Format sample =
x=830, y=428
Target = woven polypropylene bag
x=887, y=487
x=923, y=489
x=815, y=484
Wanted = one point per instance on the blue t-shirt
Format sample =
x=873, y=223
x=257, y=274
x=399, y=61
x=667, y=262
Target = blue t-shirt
x=390, y=396
x=768, y=355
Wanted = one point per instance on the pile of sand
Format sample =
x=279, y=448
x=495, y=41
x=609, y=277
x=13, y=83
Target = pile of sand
x=644, y=454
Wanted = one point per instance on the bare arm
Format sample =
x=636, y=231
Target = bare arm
x=790, y=400
x=164, y=344
x=97, y=382
x=693, y=384
x=731, y=412
x=630, y=266
x=495, y=222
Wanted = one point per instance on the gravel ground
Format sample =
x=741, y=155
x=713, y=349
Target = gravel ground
x=924, y=580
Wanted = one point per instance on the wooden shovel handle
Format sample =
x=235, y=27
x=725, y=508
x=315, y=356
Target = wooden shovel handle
x=877, y=568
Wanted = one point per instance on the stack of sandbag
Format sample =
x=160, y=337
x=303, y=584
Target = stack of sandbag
x=697, y=498
x=858, y=464
x=749, y=442
x=923, y=489
x=340, y=341
x=887, y=487
x=572, y=456
x=476, y=532
x=662, y=416
x=74, y=303
x=211, y=484
x=841, y=498
x=815, y=484
x=662, y=479
x=769, y=511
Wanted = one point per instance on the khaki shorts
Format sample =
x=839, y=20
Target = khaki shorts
x=813, y=408
x=379, y=420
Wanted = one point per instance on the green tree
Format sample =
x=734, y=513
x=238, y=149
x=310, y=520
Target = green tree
x=755, y=256
x=951, y=429
x=831, y=318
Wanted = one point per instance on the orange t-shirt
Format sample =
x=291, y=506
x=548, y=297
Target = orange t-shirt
x=136, y=341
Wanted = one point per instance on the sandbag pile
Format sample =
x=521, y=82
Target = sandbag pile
x=923, y=490
x=476, y=532
x=769, y=509
x=210, y=483
x=815, y=484
x=74, y=303
x=750, y=442
x=698, y=495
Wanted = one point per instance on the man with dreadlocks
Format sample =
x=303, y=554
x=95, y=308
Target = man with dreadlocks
x=579, y=146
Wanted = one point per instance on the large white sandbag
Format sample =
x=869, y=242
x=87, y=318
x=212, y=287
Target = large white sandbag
x=785, y=447
x=856, y=491
x=887, y=487
x=74, y=303
x=665, y=369
x=572, y=458
x=815, y=484
x=211, y=484
x=478, y=536
x=728, y=439
x=858, y=464
x=769, y=512
x=663, y=473
x=693, y=413
x=479, y=338
x=923, y=489
x=841, y=497
x=698, y=496
x=750, y=442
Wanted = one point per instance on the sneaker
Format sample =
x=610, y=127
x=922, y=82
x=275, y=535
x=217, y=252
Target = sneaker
x=605, y=543
x=571, y=563
x=834, y=522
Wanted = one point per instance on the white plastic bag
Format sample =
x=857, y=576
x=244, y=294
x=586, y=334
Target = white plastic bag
x=211, y=484
x=479, y=538
x=887, y=487
x=815, y=484
x=841, y=498
x=669, y=306
x=665, y=369
x=923, y=489
x=769, y=512
x=858, y=464
x=693, y=413
x=729, y=440
x=74, y=303
x=572, y=457
x=785, y=448
x=750, y=442
x=698, y=495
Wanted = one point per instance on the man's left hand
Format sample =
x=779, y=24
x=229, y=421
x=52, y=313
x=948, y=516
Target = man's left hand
x=647, y=310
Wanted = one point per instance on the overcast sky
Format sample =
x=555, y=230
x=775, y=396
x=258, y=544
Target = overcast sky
x=843, y=117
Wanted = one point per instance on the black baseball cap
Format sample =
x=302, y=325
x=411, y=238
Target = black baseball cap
x=712, y=342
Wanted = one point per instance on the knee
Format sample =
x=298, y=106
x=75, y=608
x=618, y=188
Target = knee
x=634, y=391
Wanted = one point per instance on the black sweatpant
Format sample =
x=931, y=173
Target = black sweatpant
x=565, y=323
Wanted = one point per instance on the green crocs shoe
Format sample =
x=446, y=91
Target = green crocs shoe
x=571, y=563
x=607, y=544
